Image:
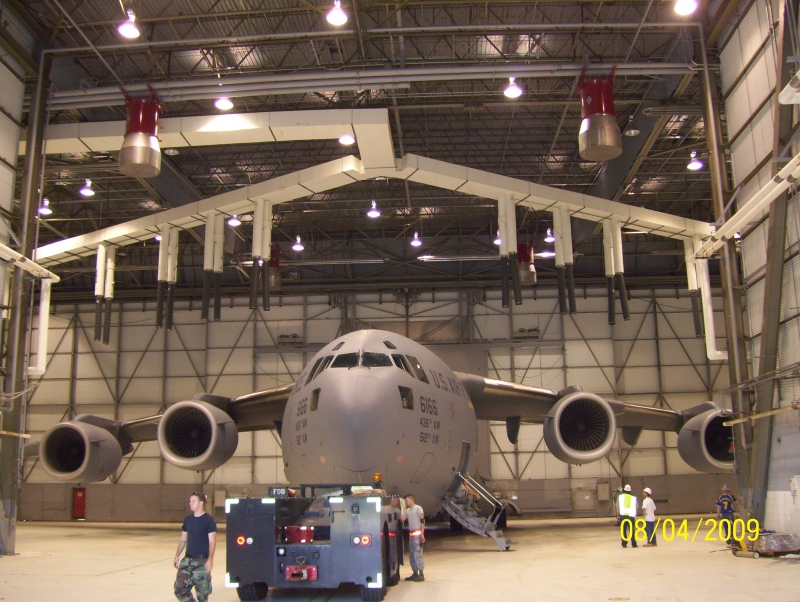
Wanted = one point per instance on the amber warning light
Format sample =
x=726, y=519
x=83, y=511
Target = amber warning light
x=240, y=540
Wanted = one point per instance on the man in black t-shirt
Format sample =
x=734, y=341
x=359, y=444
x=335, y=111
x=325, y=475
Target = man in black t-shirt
x=199, y=537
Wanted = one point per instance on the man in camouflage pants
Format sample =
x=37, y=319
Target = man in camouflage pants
x=199, y=537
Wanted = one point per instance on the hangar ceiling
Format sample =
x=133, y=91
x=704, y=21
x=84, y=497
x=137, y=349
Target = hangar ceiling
x=438, y=67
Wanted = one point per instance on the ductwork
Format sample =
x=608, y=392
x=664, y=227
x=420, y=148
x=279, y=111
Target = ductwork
x=77, y=452
x=140, y=155
x=599, y=138
x=580, y=428
x=197, y=435
x=704, y=282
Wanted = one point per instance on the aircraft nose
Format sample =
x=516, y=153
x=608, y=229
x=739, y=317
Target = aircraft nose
x=360, y=413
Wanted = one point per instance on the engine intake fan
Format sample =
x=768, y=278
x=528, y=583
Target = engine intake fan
x=197, y=436
x=76, y=452
x=580, y=428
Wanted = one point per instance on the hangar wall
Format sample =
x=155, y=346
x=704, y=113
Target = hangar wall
x=749, y=58
x=653, y=359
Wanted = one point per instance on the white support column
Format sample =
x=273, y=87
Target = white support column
x=38, y=369
x=616, y=233
x=111, y=264
x=689, y=246
x=510, y=234
x=266, y=236
x=258, y=230
x=163, y=253
x=558, y=232
x=502, y=225
x=566, y=234
x=608, y=248
x=172, y=263
x=708, y=312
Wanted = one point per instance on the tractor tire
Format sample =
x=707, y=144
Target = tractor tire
x=369, y=594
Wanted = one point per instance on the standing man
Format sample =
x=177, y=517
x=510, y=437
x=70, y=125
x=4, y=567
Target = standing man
x=626, y=503
x=416, y=537
x=725, y=511
x=199, y=537
x=649, y=513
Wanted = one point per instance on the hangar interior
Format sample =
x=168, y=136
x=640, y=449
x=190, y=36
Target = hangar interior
x=441, y=150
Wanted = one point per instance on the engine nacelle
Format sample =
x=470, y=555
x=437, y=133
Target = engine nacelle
x=705, y=444
x=77, y=452
x=580, y=428
x=196, y=435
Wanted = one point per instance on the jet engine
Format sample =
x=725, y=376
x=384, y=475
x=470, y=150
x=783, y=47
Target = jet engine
x=78, y=452
x=580, y=428
x=197, y=435
x=705, y=444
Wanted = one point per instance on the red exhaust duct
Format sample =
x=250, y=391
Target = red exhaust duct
x=140, y=155
x=599, y=138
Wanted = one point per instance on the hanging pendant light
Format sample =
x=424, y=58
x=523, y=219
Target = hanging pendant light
x=45, y=208
x=128, y=28
x=497, y=240
x=512, y=89
x=416, y=242
x=234, y=221
x=298, y=244
x=685, y=7
x=549, y=237
x=346, y=139
x=374, y=212
x=336, y=16
x=694, y=162
x=87, y=189
x=224, y=104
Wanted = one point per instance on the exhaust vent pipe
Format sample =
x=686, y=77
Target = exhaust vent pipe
x=140, y=155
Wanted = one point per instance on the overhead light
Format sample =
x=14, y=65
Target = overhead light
x=694, y=162
x=45, y=208
x=346, y=139
x=158, y=238
x=416, y=242
x=234, y=221
x=87, y=189
x=128, y=28
x=736, y=235
x=336, y=16
x=685, y=7
x=171, y=152
x=549, y=237
x=512, y=89
x=545, y=254
x=497, y=239
x=374, y=211
x=631, y=130
x=223, y=104
x=298, y=244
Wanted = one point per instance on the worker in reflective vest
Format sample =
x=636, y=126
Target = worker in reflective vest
x=626, y=504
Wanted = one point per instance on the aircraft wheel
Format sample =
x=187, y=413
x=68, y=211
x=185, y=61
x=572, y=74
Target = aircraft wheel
x=756, y=554
x=252, y=592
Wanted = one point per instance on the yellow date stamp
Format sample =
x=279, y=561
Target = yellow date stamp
x=713, y=529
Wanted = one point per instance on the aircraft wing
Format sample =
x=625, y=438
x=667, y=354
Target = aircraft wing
x=580, y=426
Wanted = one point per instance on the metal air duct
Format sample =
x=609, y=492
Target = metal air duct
x=599, y=138
x=140, y=155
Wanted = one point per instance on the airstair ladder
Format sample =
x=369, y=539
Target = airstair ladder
x=457, y=507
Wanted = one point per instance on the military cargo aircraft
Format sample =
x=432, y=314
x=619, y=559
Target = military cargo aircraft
x=376, y=402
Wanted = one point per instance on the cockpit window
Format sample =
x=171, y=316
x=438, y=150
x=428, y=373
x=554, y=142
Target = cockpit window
x=319, y=367
x=402, y=363
x=313, y=370
x=418, y=369
x=375, y=360
x=345, y=360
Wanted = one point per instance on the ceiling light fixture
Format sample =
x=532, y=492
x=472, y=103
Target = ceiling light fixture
x=234, y=221
x=549, y=237
x=694, y=162
x=224, y=104
x=336, y=16
x=497, y=240
x=298, y=244
x=631, y=130
x=128, y=28
x=374, y=212
x=416, y=242
x=45, y=208
x=346, y=139
x=158, y=238
x=171, y=152
x=512, y=89
x=87, y=189
x=685, y=7
x=546, y=254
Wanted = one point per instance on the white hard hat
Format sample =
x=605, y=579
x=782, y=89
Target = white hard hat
x=647, y=491
x=627, y=487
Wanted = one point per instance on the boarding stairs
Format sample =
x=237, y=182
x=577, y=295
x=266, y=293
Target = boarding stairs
x=458, y=505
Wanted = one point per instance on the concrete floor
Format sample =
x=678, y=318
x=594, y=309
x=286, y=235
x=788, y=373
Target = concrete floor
x=572, y=560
